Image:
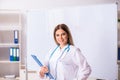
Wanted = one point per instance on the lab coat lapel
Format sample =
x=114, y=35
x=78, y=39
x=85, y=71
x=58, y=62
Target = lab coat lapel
x=65, y=52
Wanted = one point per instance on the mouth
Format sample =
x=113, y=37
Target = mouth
x=61, y=41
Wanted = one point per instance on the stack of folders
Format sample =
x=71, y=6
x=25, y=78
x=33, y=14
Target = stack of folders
x=9, y=77
x=16, y=35
x=14, y=54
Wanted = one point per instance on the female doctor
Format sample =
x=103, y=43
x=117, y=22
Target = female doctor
x=65, y=62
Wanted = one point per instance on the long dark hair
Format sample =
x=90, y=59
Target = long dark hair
x=66, y=29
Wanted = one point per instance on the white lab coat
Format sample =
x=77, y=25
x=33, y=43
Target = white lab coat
x=72, y=65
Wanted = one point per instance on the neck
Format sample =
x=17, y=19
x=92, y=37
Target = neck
x=61, y=46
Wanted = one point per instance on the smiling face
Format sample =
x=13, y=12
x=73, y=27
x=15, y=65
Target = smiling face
x=61, y=37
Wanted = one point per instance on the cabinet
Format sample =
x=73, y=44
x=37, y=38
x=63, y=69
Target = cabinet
x=10, y=30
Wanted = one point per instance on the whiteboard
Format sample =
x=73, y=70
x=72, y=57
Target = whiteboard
x=94, y=31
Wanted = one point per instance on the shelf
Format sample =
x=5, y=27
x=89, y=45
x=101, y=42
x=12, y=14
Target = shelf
x=10, y=27
x=13, y=62
x=9, y=45
x=2, y=78
x=8, y=11
x=10, y=20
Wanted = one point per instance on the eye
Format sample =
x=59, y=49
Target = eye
x=57, y=35
x=63, y=34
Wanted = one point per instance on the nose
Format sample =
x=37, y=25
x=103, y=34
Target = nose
x=61, y=37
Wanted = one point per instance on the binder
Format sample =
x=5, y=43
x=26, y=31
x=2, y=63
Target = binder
x=17, y=54
x=40, y=64
x=16, y=36
x=118, y=53
x=11, y=54
x=14, y=54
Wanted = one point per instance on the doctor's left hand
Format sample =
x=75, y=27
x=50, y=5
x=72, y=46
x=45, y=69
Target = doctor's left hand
x=43, y=71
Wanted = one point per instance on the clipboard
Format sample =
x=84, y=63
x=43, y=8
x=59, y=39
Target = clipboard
x=40, y=64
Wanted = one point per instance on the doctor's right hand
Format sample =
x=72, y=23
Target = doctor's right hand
x=43, y=71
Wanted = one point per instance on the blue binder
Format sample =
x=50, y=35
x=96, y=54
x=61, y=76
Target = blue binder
x=11, y=54
x=15, y=36
x=40, y=64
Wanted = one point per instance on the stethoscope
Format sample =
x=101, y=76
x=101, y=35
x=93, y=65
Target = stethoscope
x=66, y=49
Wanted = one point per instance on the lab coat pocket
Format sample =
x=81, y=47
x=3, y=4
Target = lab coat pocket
x=68, y=67
x=66, y=60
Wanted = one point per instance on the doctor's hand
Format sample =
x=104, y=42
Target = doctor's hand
x=43, y=71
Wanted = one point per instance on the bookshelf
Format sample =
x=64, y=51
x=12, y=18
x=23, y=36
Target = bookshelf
x=10, y=21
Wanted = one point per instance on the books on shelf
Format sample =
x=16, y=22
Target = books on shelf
x=14, y=54
x=14, y=51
